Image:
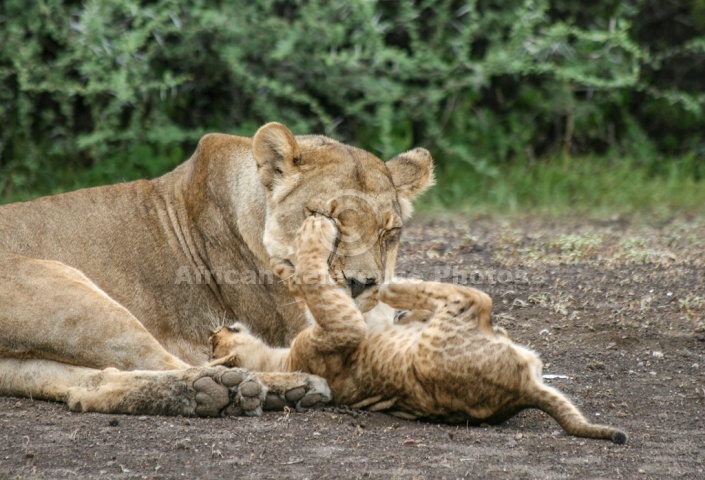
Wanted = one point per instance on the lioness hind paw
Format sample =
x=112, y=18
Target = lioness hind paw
x=313, y=393
x=229, y=392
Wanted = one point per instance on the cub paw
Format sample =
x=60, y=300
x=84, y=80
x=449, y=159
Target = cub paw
x=316, y=241
x=286, y=272
x=282, y=268
x=226, y=344
x=397, y=295
x=228, y=392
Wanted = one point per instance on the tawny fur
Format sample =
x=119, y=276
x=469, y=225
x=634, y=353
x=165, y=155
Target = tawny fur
x=453, y=368
x=125, y=276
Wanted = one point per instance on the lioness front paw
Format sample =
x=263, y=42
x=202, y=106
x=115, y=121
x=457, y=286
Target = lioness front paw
x=295, y=390
x=228, y=392
x=202, y=391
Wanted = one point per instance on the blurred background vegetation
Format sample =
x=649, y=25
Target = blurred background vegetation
x=525, y=104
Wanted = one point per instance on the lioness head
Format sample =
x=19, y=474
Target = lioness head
x=367, y=198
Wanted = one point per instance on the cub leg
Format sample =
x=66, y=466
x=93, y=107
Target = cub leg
x=53, y=311
x=448, y=302
x=339, y=323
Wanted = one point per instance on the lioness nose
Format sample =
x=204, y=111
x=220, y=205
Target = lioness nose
x=357, y=286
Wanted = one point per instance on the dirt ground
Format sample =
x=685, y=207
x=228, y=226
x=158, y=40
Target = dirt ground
x=617, y=307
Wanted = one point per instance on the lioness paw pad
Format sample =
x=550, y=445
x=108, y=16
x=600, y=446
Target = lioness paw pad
x=315, y=393
x=228, y=392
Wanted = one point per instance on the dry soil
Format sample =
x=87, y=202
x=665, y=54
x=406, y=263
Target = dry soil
x=617, y=308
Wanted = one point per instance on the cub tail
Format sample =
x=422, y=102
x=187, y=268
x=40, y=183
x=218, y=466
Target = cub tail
x=569, y=417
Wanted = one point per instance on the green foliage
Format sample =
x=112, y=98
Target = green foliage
x=98, y=91
x=605, y=186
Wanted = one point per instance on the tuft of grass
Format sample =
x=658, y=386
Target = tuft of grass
x=573, y=247
x=691, y=304
x=561, y=186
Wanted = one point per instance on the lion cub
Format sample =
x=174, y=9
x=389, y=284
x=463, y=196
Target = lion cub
x=453, y=368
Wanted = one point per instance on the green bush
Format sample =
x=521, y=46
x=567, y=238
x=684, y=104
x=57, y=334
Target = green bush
x=97, y=90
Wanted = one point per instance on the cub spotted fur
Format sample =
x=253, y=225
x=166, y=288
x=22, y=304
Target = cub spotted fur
x=454, y=368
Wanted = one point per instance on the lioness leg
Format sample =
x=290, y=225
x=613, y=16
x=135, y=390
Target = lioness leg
x=237, y=347
x=202, y=391
x=58, y=329
x=52, y=311
x=448, y=302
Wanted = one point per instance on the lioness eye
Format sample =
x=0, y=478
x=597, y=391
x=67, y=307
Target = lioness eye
x=311, y=211
x=393, y=233
x=390, y=237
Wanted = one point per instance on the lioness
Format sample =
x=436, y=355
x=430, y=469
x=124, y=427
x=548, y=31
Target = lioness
x=454, y=368
x=108, y=294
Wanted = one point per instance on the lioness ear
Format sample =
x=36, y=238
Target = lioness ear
x=412, y=174
x=275, y=151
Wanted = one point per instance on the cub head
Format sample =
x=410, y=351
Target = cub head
x=367, y=198
x=225, y=340
x=236, y=346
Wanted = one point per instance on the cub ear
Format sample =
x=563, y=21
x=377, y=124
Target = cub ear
x=412, y=174
x=275, y=151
